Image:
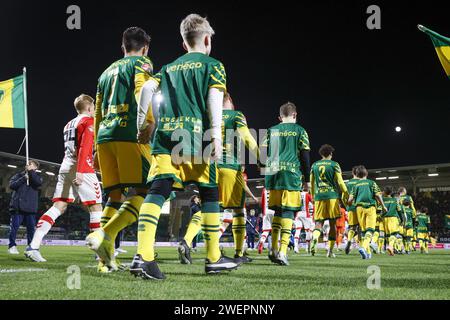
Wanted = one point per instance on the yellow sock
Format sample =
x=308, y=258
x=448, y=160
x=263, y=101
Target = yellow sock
x=109, y=211
x=351, y=235
x=276, y=231
x=375, y=236
x=127, y=215
x=195, y=225
x=331, y=243
x=380, y=243
x=210, y=227
x=399, y=243
x=392, y=241
x=238, y=231
x=426, y=246
x=286, y=227
x=366, y=241
x=148, y=223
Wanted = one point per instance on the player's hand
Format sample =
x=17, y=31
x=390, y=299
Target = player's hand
x=79, y=179
x=385, y=209
x=144, y=135
x=216, y=153
x=255, y=198
x=96, y=165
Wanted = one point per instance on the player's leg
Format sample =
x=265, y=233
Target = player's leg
x=194, y=227
x=144, y=264
x=331, y=238
x=320, y=214
x=286, y=220
x=227, y=219
x=45, y=223
x=370, y=223
x=298, y=228
x=239, y=232
x=334, y=214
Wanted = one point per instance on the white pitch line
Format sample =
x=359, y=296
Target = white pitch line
x=22, y=270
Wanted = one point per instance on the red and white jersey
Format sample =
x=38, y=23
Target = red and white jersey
x=78, y=145
x=307, y=204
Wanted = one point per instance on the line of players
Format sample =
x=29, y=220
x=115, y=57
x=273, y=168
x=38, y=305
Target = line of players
x=195, y=101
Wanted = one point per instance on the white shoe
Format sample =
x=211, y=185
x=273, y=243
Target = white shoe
x=330, y=254
x=13, y=250
x=121, y=250
x=34, y=255
x=296, y=249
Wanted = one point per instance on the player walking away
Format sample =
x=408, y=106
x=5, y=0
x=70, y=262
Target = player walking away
x=192, y=88
x=303, y=220
x=76, y=178
x=391, y=216
x=340, y=228
x=409, y=224
x=194, y=227
x=365, y=195
x=328, y=189
x=267, y=219
x=353, y=223
x=124, y=162
x=287, y=161
x=378, y=238
x=398, y=248
x=423, y=229
x=232, y=179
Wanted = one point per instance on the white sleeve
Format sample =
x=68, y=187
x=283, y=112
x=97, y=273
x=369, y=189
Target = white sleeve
x=214, y=104
x=148, y=90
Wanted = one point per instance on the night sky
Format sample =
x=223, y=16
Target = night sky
x=351, y=85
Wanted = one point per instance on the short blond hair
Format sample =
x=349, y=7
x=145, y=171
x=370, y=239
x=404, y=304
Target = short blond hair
x=193, y=27
x=82, y=101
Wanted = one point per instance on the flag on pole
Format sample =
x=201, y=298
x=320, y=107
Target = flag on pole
x=12, y=103
x=442, y=47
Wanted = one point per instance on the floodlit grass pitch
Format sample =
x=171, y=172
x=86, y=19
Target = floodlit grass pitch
x=402, y=277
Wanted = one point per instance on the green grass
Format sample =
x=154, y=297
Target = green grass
x=402, y=277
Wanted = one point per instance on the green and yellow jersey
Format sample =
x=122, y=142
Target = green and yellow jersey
x=234, y=132
x=394, y=208
x=326, y=181
x=364, y=193
x=183, y=115
x=117, y=99
x=409, y=215
x=350, y=185
x=423, y=222
x=410, y=199
x=284, y=142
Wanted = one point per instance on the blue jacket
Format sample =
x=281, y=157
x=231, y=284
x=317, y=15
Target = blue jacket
x=25, y=197
x=252, y=220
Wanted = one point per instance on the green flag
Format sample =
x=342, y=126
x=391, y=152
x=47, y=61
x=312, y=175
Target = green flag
x=12, y=103
x=442, y=47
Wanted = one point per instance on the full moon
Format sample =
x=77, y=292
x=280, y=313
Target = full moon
x=398, y=129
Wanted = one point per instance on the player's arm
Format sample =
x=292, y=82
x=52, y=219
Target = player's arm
x=341, y=184
x=246, y=136
x=311, y=178
x=401, y=213
x=249, y=192
x=84, y=149
x=352, y=196
x=303, y=154
x=413, y=208
x=98, y=117
x=143, y=78
x=214, y=104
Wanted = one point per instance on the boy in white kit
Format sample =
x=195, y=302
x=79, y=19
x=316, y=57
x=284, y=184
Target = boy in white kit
x=76, y=178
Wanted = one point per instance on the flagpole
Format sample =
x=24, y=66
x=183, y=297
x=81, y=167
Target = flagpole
x=26, y=118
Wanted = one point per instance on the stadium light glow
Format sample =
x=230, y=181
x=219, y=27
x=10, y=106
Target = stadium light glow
x=259, y=187
x=433, y=174
x=381, y=178
x=12, y=166
x=49, y=173
x=398, y=129
x=393, y=178
x=38, y=171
